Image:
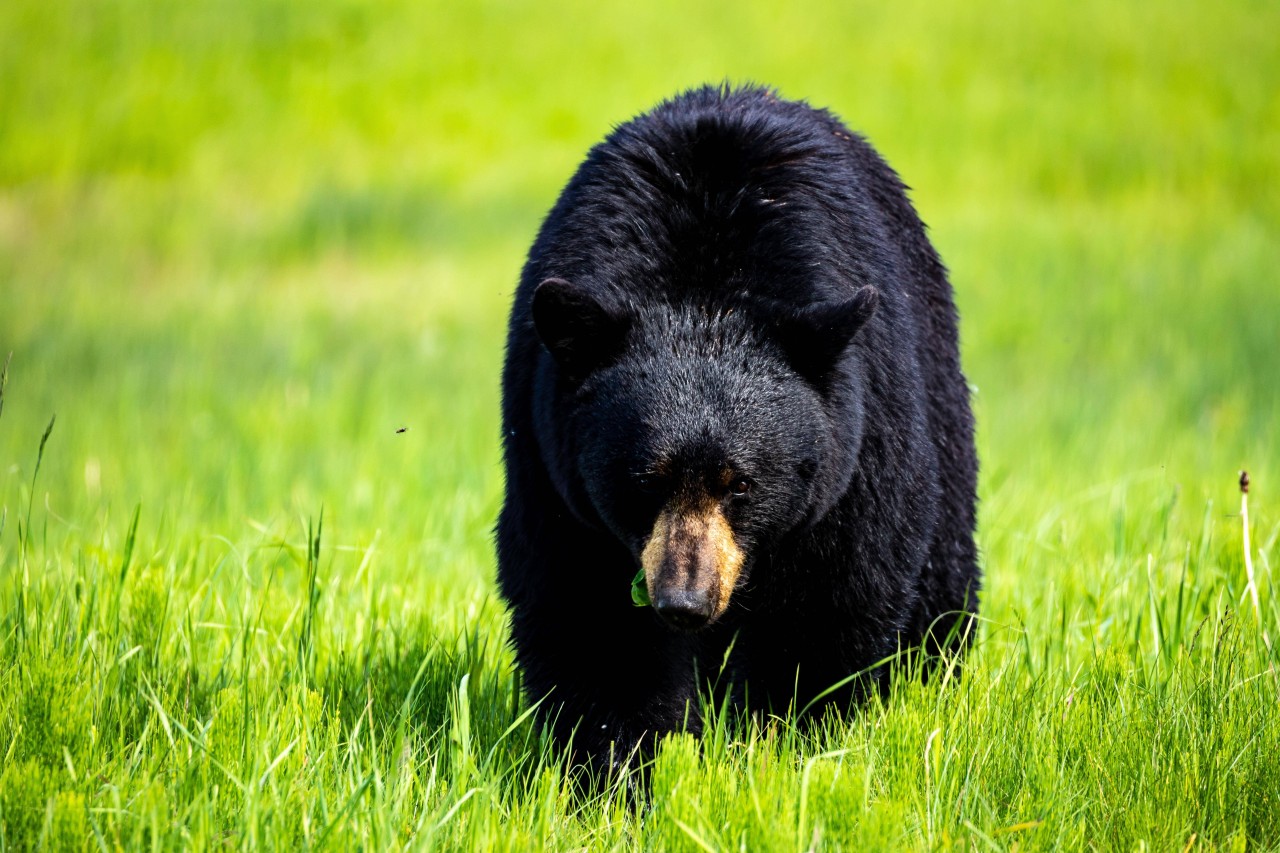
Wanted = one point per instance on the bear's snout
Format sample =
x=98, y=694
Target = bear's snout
x=691, y=564
x=687, y=609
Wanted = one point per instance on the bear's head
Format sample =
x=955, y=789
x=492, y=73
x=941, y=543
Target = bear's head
x=698, y=435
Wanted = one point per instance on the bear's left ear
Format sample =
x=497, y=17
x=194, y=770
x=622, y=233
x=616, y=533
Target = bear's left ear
x=581, y=332
x=815, y=336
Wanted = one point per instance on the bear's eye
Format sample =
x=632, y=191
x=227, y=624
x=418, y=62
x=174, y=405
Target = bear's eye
x=739, y=487
x=649, y=482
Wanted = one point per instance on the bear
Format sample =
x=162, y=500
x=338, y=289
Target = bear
x=732, y=375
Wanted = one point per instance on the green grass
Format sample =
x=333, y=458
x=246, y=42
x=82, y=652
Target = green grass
x=242, y=244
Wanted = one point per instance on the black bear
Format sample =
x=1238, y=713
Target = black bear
x=732, y=366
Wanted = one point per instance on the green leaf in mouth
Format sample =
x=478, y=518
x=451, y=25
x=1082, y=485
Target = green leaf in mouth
x=640, y=590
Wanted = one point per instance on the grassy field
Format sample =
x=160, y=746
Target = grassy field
x=242, y=245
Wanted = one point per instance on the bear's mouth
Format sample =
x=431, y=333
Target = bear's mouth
x=691, y=564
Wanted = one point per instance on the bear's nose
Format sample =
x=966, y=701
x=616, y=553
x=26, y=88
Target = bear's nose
x=685, y=609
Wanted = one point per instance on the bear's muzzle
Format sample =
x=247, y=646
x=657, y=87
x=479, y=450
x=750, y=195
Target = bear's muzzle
x=691, y=564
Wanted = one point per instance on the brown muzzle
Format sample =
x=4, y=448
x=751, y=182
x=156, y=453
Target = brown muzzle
x=691, y=563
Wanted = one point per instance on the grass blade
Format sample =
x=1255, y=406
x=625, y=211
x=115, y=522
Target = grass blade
x=4, y=380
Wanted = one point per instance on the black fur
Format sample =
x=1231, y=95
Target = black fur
x=731, y=280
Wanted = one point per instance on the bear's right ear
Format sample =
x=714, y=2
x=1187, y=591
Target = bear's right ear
x=816, y=335
x=579, y=331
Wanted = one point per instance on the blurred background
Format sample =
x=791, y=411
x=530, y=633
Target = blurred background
x=242, y=244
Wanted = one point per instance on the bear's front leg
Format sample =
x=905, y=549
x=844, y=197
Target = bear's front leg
x=610, y=676
x=611, y=691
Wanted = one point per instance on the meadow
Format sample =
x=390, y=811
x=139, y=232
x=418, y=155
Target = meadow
x=255, y=260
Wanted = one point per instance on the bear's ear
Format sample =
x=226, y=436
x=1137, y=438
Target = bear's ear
x=579, y=331
x=815, y=336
